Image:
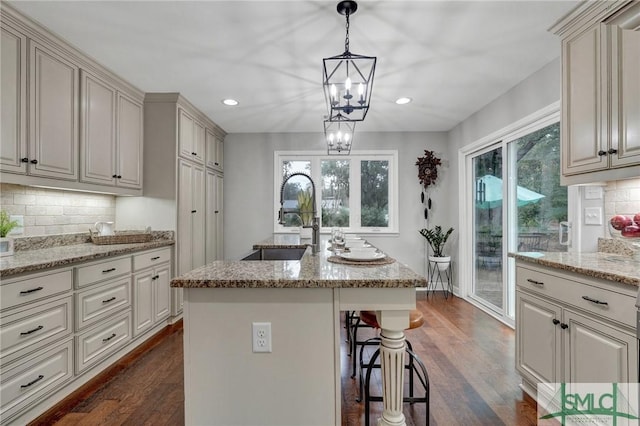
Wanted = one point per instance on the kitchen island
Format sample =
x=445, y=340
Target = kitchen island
x=298, y=382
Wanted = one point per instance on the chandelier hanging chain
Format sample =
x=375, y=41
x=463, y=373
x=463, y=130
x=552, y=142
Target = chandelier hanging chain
x=346, y=39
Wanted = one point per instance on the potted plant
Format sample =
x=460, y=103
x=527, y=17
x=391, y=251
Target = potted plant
x=305, y=209
x=6, y=225
x=437, y=239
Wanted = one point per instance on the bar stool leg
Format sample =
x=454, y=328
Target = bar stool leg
x=392, y=350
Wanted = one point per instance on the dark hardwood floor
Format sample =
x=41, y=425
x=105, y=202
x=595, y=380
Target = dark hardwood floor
x=469, y=357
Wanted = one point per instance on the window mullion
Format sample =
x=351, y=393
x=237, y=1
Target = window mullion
x=355, y=195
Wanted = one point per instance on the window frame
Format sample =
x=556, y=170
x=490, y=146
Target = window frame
x=356, y=157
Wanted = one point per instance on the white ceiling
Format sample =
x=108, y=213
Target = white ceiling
x=451, y=57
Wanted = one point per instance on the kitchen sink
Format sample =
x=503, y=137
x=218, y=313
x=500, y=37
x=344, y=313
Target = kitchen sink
x=294, y=253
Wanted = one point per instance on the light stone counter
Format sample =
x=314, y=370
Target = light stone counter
x=312, y=271
x=24, y=261
x=606, y=266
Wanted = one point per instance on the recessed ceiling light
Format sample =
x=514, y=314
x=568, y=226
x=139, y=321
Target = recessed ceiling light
x=230, y=102
x=402, y=101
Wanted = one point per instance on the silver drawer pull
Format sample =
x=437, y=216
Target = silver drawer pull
x=155, y=258
x=109, y=338
x=109, y=300
x=535, y=282
x=38, y=328
x=108, y=270
x=597, y=302
x=33, y=290
x=33, y=382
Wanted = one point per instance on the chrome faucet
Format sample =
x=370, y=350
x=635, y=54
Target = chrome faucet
x=315, y=223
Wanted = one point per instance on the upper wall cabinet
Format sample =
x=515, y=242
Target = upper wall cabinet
x=215, y=146
x=13, y=77
x=191, y=141
x=53, y=115
x=67, y=122
x=111, y=139
x=600, y=92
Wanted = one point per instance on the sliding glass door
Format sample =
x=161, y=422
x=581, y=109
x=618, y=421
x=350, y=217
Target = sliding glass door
x=518, y=205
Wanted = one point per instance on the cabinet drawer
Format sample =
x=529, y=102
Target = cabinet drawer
x=34, y=287
x=98, y=343
x=96, y=272
x=606, y=303
x=29, y=381
x=35, y=327
x=151, y=258
x=96, y=303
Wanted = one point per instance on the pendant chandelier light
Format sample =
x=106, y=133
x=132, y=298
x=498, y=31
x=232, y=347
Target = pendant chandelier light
x=339, y=135
x=347, y=79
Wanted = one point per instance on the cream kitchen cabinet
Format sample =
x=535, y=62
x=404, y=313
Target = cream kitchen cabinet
x=570, y=329
x=191, y=137
x=600, y=92
x=111, y=141
x=151, y=291
x=215, y=150
x=13, y=78
x=214, y=220
x=53, y=115
x=175, y=186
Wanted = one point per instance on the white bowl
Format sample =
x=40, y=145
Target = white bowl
x=362, y=250
x=355, y=243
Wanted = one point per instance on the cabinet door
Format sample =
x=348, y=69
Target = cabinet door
x=54, y=115
x=13, y=102
x=198, y=143
x=162, y=293
x=130, y=142
x=185, y=216
x=218, y=212
x=143, y=302
x=596, y=352
x=198, y=215
x=624, y=34
x=98, y=137
x=219, y=153
x=211, y=225
x=186, y=134
x=584, y=146
x=538, y=340
x=211, y=147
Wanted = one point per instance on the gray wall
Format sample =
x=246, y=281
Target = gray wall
x=249, y=192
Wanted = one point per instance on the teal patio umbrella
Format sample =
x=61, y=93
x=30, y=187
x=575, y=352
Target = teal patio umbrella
x=489, y=193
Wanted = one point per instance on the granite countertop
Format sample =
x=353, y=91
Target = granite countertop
x=50, y=257
x=606, y=266
x=312, y=271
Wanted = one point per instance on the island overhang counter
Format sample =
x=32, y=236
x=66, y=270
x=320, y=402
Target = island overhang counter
x=299, y=381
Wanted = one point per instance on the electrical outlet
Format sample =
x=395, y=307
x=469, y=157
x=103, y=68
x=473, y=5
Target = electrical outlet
x=261, y=336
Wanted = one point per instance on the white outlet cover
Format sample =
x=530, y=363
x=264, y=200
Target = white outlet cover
x=261, y=336
x=593, y=216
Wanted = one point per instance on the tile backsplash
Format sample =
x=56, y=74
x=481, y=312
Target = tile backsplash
x=51, y=211
x=622, y=197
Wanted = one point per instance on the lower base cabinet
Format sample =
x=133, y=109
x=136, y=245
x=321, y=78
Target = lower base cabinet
x=60, y=328
x=27, y=382
x=570, y=331
x=151, y=298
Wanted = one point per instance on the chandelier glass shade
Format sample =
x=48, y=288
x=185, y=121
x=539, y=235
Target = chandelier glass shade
x=339, y=135
x=347, y=79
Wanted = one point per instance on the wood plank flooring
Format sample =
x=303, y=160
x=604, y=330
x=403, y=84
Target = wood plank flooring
x=468, y=354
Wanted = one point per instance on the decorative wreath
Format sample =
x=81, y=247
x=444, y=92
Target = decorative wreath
x=428, y=168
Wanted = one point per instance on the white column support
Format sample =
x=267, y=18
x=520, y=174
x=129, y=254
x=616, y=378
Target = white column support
x=392, y=353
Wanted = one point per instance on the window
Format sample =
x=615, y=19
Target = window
x=357, y=193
